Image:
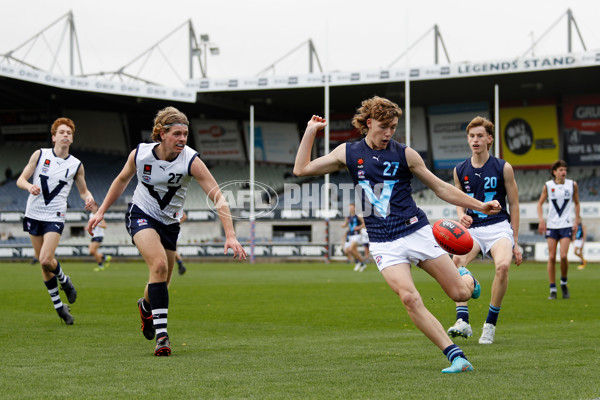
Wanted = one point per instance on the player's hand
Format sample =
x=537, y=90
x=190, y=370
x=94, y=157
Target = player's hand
x=94, y=221
x=238, y=250
x=542, y=227
x=34, y=190
x=466, y=220
x=89, y=202
x=491, y=207
x=316, y=123
x=517, y=253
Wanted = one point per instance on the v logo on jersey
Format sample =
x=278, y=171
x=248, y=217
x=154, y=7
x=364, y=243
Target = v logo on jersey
x=50, y=195
x=559, y=210
x=381, y=204
x=162, y=202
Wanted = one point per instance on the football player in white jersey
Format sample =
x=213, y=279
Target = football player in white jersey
x=164, y=170
x=53, y=170
x=563, y=217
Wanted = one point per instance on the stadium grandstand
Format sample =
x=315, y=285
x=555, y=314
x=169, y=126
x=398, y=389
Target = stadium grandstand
x=546, y=108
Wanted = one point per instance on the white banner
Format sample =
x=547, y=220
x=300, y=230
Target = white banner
x=448, y=125
x=274, y=141
x=218, y=140
x=100, y=86
x=458, y=70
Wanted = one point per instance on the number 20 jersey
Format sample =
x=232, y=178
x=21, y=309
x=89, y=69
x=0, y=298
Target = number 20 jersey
x=383, y=176
x=54, y=176
x=485, y=184
x=162, y=185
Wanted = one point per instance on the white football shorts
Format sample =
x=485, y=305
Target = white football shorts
x=412, y=249
x=487, y=236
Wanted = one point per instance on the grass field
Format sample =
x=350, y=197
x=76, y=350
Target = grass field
x=292, y=331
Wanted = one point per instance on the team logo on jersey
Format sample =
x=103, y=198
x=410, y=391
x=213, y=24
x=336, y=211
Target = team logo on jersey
x=46, y=166
x=378, y=259
x=468, y=188
x=360, y=163
x=361, y=174
x=147, y=169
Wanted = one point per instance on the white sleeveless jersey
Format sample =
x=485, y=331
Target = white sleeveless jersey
x=54, y=176
x=162, y=185
x=560, y=204
x=97, y=231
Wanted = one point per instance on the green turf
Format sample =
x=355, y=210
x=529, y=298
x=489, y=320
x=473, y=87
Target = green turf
x=292, y=331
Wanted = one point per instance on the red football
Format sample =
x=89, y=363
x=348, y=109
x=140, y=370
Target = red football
x=452, y=237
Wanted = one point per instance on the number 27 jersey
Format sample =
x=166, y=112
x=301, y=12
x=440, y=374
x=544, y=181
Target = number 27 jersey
x=162, y=185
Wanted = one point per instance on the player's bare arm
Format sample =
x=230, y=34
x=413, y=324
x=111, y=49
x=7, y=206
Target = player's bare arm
x=208, y=183
x=577, y=205
x=23, y=181
x=331, y=162
x=512, y=195
x=444, y=190
x=461, y=212
x=84, y=192
x=114, y=192
x=540, y=211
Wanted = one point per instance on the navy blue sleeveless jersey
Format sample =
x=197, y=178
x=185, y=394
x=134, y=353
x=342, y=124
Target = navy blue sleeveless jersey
x=352, y=223
x=485, y=184
x=579, y=233
x=384, y=180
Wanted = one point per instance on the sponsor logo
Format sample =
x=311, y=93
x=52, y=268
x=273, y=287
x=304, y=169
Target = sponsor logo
x=454, y=229
x=518, y=136
x=47, y=163
x=141, y=222
x=147, y=169
x=378, y=259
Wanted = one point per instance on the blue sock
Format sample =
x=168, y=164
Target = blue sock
x=492, y=317
x=454, y=351
x=180, y=262
x=553, y=287
x=462, y=312
x=158, y=294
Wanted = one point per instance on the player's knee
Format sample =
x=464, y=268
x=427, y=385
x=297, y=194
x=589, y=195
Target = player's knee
x=461, y=294
x=47, y=263
x=159, y=269
x=502, y=269
x=411, y=300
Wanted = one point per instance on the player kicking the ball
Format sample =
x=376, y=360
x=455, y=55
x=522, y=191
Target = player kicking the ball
x=485, y=177
x=399, y=232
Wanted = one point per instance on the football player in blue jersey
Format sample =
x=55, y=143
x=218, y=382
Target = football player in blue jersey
x=486, y=178
x=399, y=232
x=355, y=224
x=164, y=170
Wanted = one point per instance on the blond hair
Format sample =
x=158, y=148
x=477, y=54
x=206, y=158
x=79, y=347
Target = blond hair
x=165, y=117
x=378, y=108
